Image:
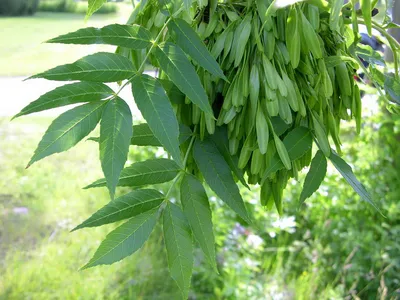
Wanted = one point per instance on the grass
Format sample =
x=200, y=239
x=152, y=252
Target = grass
x=39, y=257
x=23, y=51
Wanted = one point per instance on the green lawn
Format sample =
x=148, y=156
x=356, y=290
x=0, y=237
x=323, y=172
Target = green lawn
x=22, y=51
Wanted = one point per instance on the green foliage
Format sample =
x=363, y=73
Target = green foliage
x=18, y=7
x=244, y=87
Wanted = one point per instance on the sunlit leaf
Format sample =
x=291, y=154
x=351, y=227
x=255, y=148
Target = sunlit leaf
x=125, y=240
x=124, y=207
x=176, y=65
x=129, y=36
x=98, y=67
x=94, y=5
x=179, y=245
x=197, y=211
x=115, y=137
x=68, y=94
x=152, y=171
x=190, y=42
x=68, y=129
x=155, y=107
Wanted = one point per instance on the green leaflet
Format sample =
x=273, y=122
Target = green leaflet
x=98, y=67
x=176, y=65
x=115, y=137
x=315, y=176
x=347, y=173
x=190, y=42
x=94, y=5
x=124, y=207
x=155, y=107
x=179, y=245
x=197, y=211
x=68, y=129
x=68, y=94
x=335, y=14
x=218, y=176
x=152, y=171
x=125, y=240
x=129, y=36
x=220, y=138
x=297, y=143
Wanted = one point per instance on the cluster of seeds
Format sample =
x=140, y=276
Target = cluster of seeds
x=285, y=68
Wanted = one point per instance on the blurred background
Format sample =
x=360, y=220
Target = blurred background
x=333, y=247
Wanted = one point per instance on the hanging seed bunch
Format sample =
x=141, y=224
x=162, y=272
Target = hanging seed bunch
x=285, y=70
